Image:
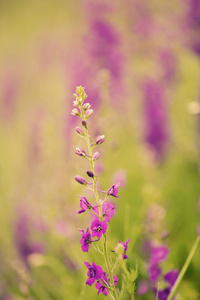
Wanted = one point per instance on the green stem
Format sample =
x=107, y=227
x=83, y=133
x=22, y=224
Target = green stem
x=108, y=267
x=100, y=212
x=184, y=269
x=92, y=169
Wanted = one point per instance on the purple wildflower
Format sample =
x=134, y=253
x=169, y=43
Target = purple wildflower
x=98, y=228
x=104, y=280
x=94, y=272
x=84, y=204
x=85, y=240
x=113, y=191
x=125, y=248
x=108, y=210
x=171, y=277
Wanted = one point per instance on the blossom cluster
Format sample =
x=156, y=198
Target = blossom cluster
x=102, y=211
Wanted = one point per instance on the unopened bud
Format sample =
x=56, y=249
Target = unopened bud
x=119, y=249
x=86, y=106
x=80, y=131
x=99, y=139
x=90, y=173
x=95, y=156
x=80, y=180
x=75, y=111
x=84, y=123
x=80, y=151
x=88, y=113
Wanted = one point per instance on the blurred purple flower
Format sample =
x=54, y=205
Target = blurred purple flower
x=168, y=63
x=162, y=294
x=193, y=23
x=158, y=254
x=154, y=272
x=120, y=176
x=155, y=116
x=22, y=234
x=143, y=287
x=171, y=277
x=10, y=88
x=94, y=272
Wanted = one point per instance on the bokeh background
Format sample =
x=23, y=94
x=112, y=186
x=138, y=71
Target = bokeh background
x=139, y=62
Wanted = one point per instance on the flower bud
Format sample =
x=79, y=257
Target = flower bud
x=95, y=156
x=99, y=139
x=119, y=249
x=80, y=131
x=75, y=111
x=80, y=180
x=88, y=113
x=80, y=151
x=86, y=106
x=84, y=123
x=90, y=173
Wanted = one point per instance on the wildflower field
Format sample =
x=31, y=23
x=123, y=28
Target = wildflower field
x=100, y=150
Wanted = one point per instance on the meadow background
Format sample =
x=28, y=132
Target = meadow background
x=139, y=64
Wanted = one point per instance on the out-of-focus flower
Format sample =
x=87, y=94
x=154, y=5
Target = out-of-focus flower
x=120, y=176
x=156, y=133
x=23, y=228
x=143, y=287
x=193, y=23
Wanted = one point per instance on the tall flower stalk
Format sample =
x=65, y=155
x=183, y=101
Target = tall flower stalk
x=102, y=211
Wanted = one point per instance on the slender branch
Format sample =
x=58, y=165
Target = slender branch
x=184, y=269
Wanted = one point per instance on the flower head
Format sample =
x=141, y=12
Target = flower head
x=158, y=254
x=108, y=210
x=154, y=272
x=98, y=228
x=121, y=249
x=94, y=272
x=113, y=191
x=84, y=204
x=85, y=240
